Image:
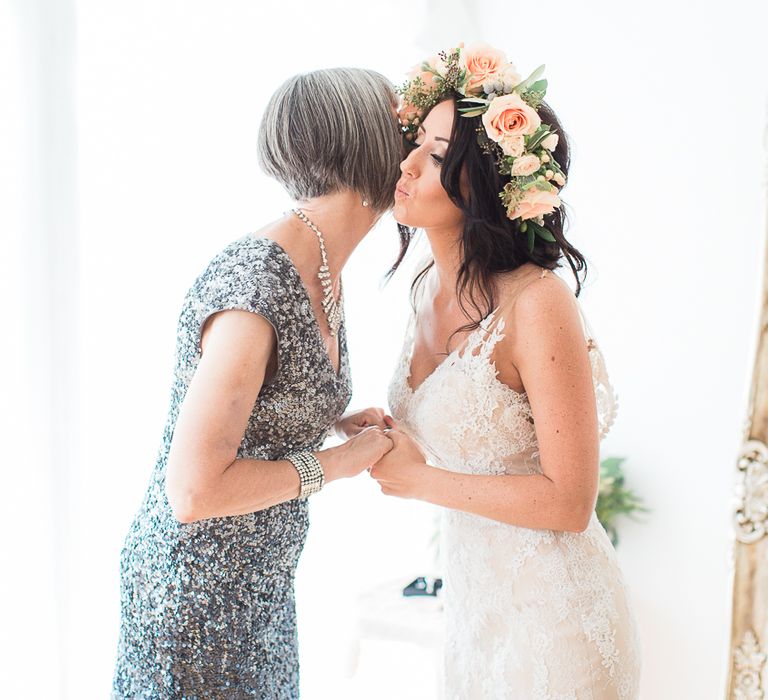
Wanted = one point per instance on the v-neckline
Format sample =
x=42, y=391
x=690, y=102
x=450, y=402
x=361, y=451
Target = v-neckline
x=412, y=343
x=315, y=322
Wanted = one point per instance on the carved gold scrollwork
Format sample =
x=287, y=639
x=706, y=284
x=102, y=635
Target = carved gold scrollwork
x=747, y=677
x=751, y=511
x=748, y=662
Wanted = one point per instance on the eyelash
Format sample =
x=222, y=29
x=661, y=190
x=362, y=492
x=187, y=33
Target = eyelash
x=436, y=160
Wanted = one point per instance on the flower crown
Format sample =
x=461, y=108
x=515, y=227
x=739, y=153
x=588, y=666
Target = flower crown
x=511, y=128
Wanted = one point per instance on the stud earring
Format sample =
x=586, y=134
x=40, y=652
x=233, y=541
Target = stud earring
x=365, y=202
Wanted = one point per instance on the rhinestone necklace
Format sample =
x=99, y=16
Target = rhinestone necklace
x=331, y=307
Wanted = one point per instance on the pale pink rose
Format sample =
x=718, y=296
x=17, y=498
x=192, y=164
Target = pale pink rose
x=509, y=115
x=428, y=76
x=527, y=165
x=550, y=143
x=535, y=203
x=482, y=62
x=513, y=145
x=509, y=77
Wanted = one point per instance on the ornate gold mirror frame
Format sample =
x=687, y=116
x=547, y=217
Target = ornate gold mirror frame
x=747, y=674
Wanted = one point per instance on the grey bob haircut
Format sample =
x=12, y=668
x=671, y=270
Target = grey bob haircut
x=330, y=130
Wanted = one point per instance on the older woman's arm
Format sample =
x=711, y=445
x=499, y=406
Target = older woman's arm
x=545, y=343
x=203, y=477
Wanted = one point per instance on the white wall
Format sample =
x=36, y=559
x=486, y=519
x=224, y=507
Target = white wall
x=665, y=107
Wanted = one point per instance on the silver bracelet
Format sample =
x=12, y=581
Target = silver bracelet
x=310, y=472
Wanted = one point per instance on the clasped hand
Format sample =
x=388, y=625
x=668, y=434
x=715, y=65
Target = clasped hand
x=401, y=471
x=394, y=459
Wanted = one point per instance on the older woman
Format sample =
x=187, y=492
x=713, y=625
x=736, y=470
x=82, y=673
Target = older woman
x=261, y=377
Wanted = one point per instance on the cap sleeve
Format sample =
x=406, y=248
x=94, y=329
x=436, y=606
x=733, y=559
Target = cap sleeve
x=252, y=275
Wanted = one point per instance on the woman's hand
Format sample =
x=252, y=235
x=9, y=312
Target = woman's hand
x=403, y=470
x=353, y=423
x=356, y=455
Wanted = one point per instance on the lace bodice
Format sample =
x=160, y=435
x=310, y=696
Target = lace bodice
x=492, y=428
x=530, y=613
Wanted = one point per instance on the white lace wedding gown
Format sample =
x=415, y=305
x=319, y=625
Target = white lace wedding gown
x=530, y=614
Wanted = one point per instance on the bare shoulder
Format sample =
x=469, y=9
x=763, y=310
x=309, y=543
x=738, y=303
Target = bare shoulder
x=531, y=286
x=548, y=293
x=540, y=315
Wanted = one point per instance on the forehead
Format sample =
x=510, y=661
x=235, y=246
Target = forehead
x=439, y=120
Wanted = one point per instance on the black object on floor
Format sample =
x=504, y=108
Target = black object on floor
x=420, y=587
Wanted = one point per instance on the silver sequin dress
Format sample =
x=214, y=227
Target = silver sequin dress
x=207, y=608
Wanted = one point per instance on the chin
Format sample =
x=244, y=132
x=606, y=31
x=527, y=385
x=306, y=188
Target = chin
x=401, y=216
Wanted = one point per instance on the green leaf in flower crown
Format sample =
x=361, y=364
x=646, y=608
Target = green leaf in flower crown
x=479, y=100
x=530, y=80
x=545, y=233
x=538, y=137
x=539, y=86
x=472, y=111
x=531, y=239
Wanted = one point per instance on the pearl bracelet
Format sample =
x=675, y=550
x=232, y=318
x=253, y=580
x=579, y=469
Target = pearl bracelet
x=310, y=472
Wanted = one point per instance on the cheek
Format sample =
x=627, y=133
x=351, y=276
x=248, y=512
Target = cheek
x=436, y=204
x=431, y=187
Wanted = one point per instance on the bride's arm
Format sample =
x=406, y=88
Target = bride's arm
x=545, y=344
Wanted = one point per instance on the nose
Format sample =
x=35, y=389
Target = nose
x=407, y=165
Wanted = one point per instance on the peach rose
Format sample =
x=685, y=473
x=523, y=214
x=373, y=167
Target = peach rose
x=527, y=165
x=535, y=203
x=407, y=112
x=509, y=115
x=513, y=145
x=483, y=62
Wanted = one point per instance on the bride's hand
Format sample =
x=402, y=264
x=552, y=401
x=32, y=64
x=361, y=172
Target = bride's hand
x=355, y=422
x=403, y=470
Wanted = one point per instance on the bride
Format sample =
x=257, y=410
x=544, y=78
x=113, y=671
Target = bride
x=501, y=397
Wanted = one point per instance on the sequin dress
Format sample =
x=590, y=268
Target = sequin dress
x=207, y=608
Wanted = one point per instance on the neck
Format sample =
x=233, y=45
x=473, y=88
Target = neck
x=445, y=243
x=343, y=221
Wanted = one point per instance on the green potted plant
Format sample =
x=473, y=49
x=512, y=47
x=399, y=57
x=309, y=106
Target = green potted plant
x=614, y=498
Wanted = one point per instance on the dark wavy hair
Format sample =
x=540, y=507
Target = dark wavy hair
x=491, y=243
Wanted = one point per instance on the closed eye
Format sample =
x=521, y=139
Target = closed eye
x=413, y=145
